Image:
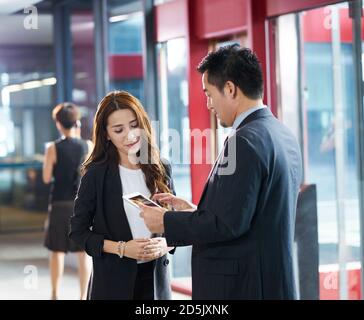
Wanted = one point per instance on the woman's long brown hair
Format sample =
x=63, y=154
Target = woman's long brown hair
x=105, y=152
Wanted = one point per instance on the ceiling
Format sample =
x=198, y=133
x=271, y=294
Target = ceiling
x=13, y=32
x=12, y=6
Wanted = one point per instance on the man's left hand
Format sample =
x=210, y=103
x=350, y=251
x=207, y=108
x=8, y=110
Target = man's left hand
x=153, y=218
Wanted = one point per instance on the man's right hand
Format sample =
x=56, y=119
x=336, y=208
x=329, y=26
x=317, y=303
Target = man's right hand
x=175, y=202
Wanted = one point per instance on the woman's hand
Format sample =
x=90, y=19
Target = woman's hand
x=134, y=249
x=140, y=249
x=176, y=203
x=155, y=249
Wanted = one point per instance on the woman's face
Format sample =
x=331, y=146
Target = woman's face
x=124, y=132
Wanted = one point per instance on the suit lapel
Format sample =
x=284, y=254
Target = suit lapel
x=212, y=172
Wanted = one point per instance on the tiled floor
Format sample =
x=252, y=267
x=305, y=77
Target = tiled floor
x=24, y=271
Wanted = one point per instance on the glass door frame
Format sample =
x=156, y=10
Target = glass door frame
x=356, y=9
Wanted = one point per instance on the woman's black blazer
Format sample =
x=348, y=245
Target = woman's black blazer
x=99, y=214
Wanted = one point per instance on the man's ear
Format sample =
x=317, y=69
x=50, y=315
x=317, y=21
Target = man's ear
x=230, y=89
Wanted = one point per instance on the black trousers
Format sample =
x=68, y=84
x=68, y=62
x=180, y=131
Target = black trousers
x=144, y=282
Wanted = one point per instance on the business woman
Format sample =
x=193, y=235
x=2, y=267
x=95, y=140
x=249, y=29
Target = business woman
x=61, y=165
x=128, y=261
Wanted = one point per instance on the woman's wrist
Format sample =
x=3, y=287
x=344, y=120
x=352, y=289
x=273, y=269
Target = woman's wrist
x=111, y=247
x=126, y=253
x=121, y=249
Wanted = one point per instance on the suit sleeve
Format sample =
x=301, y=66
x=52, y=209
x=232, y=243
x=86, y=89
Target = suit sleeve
x=83, y=215
x=231, y=207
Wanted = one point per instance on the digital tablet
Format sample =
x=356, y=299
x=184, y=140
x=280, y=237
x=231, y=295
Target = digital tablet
x=134, y=198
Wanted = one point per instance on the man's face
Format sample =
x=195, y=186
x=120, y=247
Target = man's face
x=217, y=102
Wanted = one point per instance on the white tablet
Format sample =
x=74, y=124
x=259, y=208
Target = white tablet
x=135, y=197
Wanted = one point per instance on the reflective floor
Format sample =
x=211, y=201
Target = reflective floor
x=24, y=273
x=16, y=219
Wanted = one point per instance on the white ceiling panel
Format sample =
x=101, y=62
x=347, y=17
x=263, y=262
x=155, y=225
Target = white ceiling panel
x=11, y=6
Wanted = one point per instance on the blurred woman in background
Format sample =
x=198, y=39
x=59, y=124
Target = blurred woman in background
x=61, y=167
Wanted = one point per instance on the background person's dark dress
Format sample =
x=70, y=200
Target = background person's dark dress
x=70, y=154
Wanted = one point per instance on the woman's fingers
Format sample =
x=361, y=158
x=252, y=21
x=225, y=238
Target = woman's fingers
x=152, y=255
x=154, y=252
x=143, y=240
x=154, y=247
x=145, y=249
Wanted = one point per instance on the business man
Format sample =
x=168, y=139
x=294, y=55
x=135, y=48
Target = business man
x=242, y=230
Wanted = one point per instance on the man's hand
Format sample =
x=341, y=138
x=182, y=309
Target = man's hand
x=153, y=218
x=176, y=203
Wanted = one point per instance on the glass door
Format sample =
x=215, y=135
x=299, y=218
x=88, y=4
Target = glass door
x=27, y=85
x=356, y=10
x=125, y=47
x=174, y=130
x=316, y=99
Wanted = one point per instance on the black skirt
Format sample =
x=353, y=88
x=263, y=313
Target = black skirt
x=57, y=228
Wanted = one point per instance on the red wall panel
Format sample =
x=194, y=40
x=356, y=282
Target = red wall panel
x=171, y=20
x=279, y=7
x=259, y=40
x=199, y=115
x=215, y=18
x=122, y=67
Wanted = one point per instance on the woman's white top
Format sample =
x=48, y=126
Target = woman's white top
x=134, y=181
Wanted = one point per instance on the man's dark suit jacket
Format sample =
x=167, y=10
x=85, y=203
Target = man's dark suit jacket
x=99, y=214
x=242, y=231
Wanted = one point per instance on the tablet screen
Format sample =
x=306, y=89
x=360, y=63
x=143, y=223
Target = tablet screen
x=143, y=200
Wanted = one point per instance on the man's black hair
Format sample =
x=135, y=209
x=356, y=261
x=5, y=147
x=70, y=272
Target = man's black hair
x=236, y=64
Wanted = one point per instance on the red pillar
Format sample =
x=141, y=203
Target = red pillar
x=259, y=39
x=199, y=115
